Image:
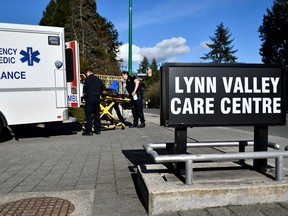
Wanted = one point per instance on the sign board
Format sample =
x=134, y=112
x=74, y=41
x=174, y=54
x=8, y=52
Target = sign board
x=222, y=95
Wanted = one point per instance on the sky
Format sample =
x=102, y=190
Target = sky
x=167, y=30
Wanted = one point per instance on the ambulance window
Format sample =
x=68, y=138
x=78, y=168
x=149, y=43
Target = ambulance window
x=54, y=40
x=69, y=65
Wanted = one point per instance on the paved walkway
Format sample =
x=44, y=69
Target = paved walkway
x=98, y=174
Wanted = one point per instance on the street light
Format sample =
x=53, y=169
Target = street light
x=130, y=39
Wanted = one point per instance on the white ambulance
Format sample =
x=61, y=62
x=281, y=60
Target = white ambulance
x=39, y=75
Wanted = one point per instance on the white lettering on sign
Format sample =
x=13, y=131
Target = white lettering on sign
x=201, y=85
x=177, y=86
x=240, y=85
x=247, y=105
x=230, y=104
x=192, y=106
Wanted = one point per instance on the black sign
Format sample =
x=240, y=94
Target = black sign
x=222, y=94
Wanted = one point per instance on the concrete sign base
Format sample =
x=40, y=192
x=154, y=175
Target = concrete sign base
x=221, y=184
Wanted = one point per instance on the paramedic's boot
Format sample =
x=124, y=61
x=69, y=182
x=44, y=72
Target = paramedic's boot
x=87, y=134
x=142, y=125
x=133, y=126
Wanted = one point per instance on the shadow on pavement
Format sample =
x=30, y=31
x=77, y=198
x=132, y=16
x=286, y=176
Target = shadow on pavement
x=42, y=130
x=139, y=157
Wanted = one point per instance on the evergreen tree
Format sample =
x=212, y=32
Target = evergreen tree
x=222, y=51
x=155, y=72
x=144, y=65
x=56, y=13
x=49, y=15
x=152, y=92
x=274, y=34
x=143, y=68
x=150, y=85
x=107, y=48
x=97, y=37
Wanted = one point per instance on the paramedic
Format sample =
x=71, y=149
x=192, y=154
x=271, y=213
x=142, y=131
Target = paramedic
x=135, y=92
x=114, y=87
x=92, y=90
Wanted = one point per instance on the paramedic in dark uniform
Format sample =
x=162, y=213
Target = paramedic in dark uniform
x=135, y=92
x=92, y=90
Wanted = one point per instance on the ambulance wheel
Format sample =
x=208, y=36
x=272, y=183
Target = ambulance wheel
x=1, y=128
x=123, y=127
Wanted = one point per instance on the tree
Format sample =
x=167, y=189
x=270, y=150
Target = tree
x=150, y=84
x=143, y=68
x=56, y=13
x=155, y=72
x=152, y=94
x=274, y=34
x=222, y=51
x=144, y=65
x=97, y=37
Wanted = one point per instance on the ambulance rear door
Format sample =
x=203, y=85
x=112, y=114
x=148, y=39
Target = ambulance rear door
x=73, y=74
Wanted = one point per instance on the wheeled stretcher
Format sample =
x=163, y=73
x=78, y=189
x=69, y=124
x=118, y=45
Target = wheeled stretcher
x=109, y=100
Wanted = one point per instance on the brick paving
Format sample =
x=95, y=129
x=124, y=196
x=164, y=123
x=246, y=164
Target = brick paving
x=58, y=160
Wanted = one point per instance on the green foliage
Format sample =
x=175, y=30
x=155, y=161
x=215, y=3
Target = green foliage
x=155, y=72
x=274, y=34
x=143, y=68
x=144, y=65
x=153, y=95
x=49, y=15
x=56, y=13
x=77, y=113
x=84, y=64
x=150, y=85
x=221, y=49
x=97, y=37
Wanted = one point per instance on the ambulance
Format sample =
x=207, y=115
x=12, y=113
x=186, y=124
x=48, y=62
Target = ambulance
x=39, y=75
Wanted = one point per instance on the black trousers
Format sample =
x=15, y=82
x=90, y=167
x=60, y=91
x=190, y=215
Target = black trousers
x=92, y=112
x=137, y=111
x=117, y=109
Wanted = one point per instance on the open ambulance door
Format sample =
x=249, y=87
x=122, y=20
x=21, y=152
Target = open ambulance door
x=73, y=74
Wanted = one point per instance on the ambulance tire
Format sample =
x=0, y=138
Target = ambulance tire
x=1, y=129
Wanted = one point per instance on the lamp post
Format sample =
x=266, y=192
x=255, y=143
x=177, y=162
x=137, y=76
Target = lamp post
x=130, y=39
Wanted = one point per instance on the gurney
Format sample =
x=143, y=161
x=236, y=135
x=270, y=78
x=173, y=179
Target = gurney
x=108, y=102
